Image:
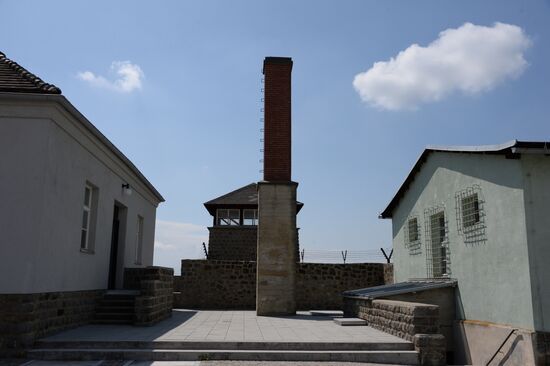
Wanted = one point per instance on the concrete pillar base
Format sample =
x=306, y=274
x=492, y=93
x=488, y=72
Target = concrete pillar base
x=277, y=240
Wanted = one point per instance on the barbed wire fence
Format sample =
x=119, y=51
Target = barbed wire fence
x=345, y=256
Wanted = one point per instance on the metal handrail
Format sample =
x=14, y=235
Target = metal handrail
x=500, y=347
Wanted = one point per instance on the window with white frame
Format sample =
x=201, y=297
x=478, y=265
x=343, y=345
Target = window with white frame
x=88, y=215
x=228, y=217
x=139, y=239
x=250, y=217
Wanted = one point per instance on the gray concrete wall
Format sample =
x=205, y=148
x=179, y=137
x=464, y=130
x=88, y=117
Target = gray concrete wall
x=49, y=157
x=493, y=274
x=277, y=238
x=476, y=342
x=536, y=175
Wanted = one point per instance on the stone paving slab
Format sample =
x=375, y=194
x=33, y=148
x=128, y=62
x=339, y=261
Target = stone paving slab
x=230, y=326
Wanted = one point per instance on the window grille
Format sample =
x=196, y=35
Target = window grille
x=412, y=235
x=438, y=255
x=470, y=215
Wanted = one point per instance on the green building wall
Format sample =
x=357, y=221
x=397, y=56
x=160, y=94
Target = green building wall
x=498, y=281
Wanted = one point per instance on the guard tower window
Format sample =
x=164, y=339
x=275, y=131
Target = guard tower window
x=228, y=217
x=250, y=217
x=470, y=210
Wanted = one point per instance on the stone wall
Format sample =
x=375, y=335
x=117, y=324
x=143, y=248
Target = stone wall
x=27, y=317
x=232, y=243
x=235, y=243
x=415, y=322
x=542, y=348
x=216, y=284
x=156, y=284
x=320, y=285
x=388, y=274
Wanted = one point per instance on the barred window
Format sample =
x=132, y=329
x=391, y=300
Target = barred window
x=412, y=235
x=413, y=229
x=470, y=210
x=470, y=215
x=438, y=256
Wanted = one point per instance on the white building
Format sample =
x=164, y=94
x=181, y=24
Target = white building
x=74, y=210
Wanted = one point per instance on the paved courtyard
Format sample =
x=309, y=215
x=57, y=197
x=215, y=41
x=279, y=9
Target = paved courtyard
x=231, y=326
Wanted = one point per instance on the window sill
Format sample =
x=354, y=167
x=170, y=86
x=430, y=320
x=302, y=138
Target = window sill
x=87, y=251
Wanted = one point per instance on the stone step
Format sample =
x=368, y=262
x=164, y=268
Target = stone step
x=349, y=321
x=383, y=357
x=225, y=345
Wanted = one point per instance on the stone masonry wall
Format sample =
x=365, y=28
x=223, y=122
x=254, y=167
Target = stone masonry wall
x=320, y=285
x=542, y=348
x=235, y=243
x=156, y=284
x=415, y=322
x=216, y=284
x=232, y=243
x=27, y=317
x=388, y=274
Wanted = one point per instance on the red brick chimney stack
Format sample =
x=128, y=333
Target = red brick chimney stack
x=277, y=115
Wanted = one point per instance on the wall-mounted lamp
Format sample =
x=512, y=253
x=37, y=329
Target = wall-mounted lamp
x=126, y=189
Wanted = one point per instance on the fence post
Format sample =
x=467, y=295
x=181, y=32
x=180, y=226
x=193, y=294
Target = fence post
x=344, y=255
x=388, y=258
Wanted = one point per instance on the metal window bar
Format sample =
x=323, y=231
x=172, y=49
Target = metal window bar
x=470, y=215
x=438, y=256
x=412, y=235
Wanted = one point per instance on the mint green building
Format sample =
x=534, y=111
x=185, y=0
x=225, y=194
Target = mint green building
x=481, y=215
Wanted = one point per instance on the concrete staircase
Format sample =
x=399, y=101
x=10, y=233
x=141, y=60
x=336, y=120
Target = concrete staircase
x=385, y=353
x=116, y=307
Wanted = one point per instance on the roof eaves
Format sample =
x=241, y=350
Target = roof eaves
x=482, y=149
x=93, y=129
x=212, y=201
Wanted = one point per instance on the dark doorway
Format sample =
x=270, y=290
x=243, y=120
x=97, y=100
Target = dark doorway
x=114, y=249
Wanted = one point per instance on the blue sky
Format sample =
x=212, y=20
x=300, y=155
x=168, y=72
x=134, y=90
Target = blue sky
x=187, y=109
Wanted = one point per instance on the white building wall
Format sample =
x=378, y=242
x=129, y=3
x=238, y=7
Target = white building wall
x=49, y=166
x=493, y=275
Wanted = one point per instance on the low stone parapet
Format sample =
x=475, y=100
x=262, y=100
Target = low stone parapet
x=156, y=286
x=27, y=317
x=415, y=322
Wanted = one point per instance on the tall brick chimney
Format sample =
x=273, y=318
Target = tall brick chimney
x=277, y=233
x=277, y=115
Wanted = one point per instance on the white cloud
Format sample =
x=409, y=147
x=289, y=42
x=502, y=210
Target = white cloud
x=175, y=241
x=469, y=59
x=128, y=77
